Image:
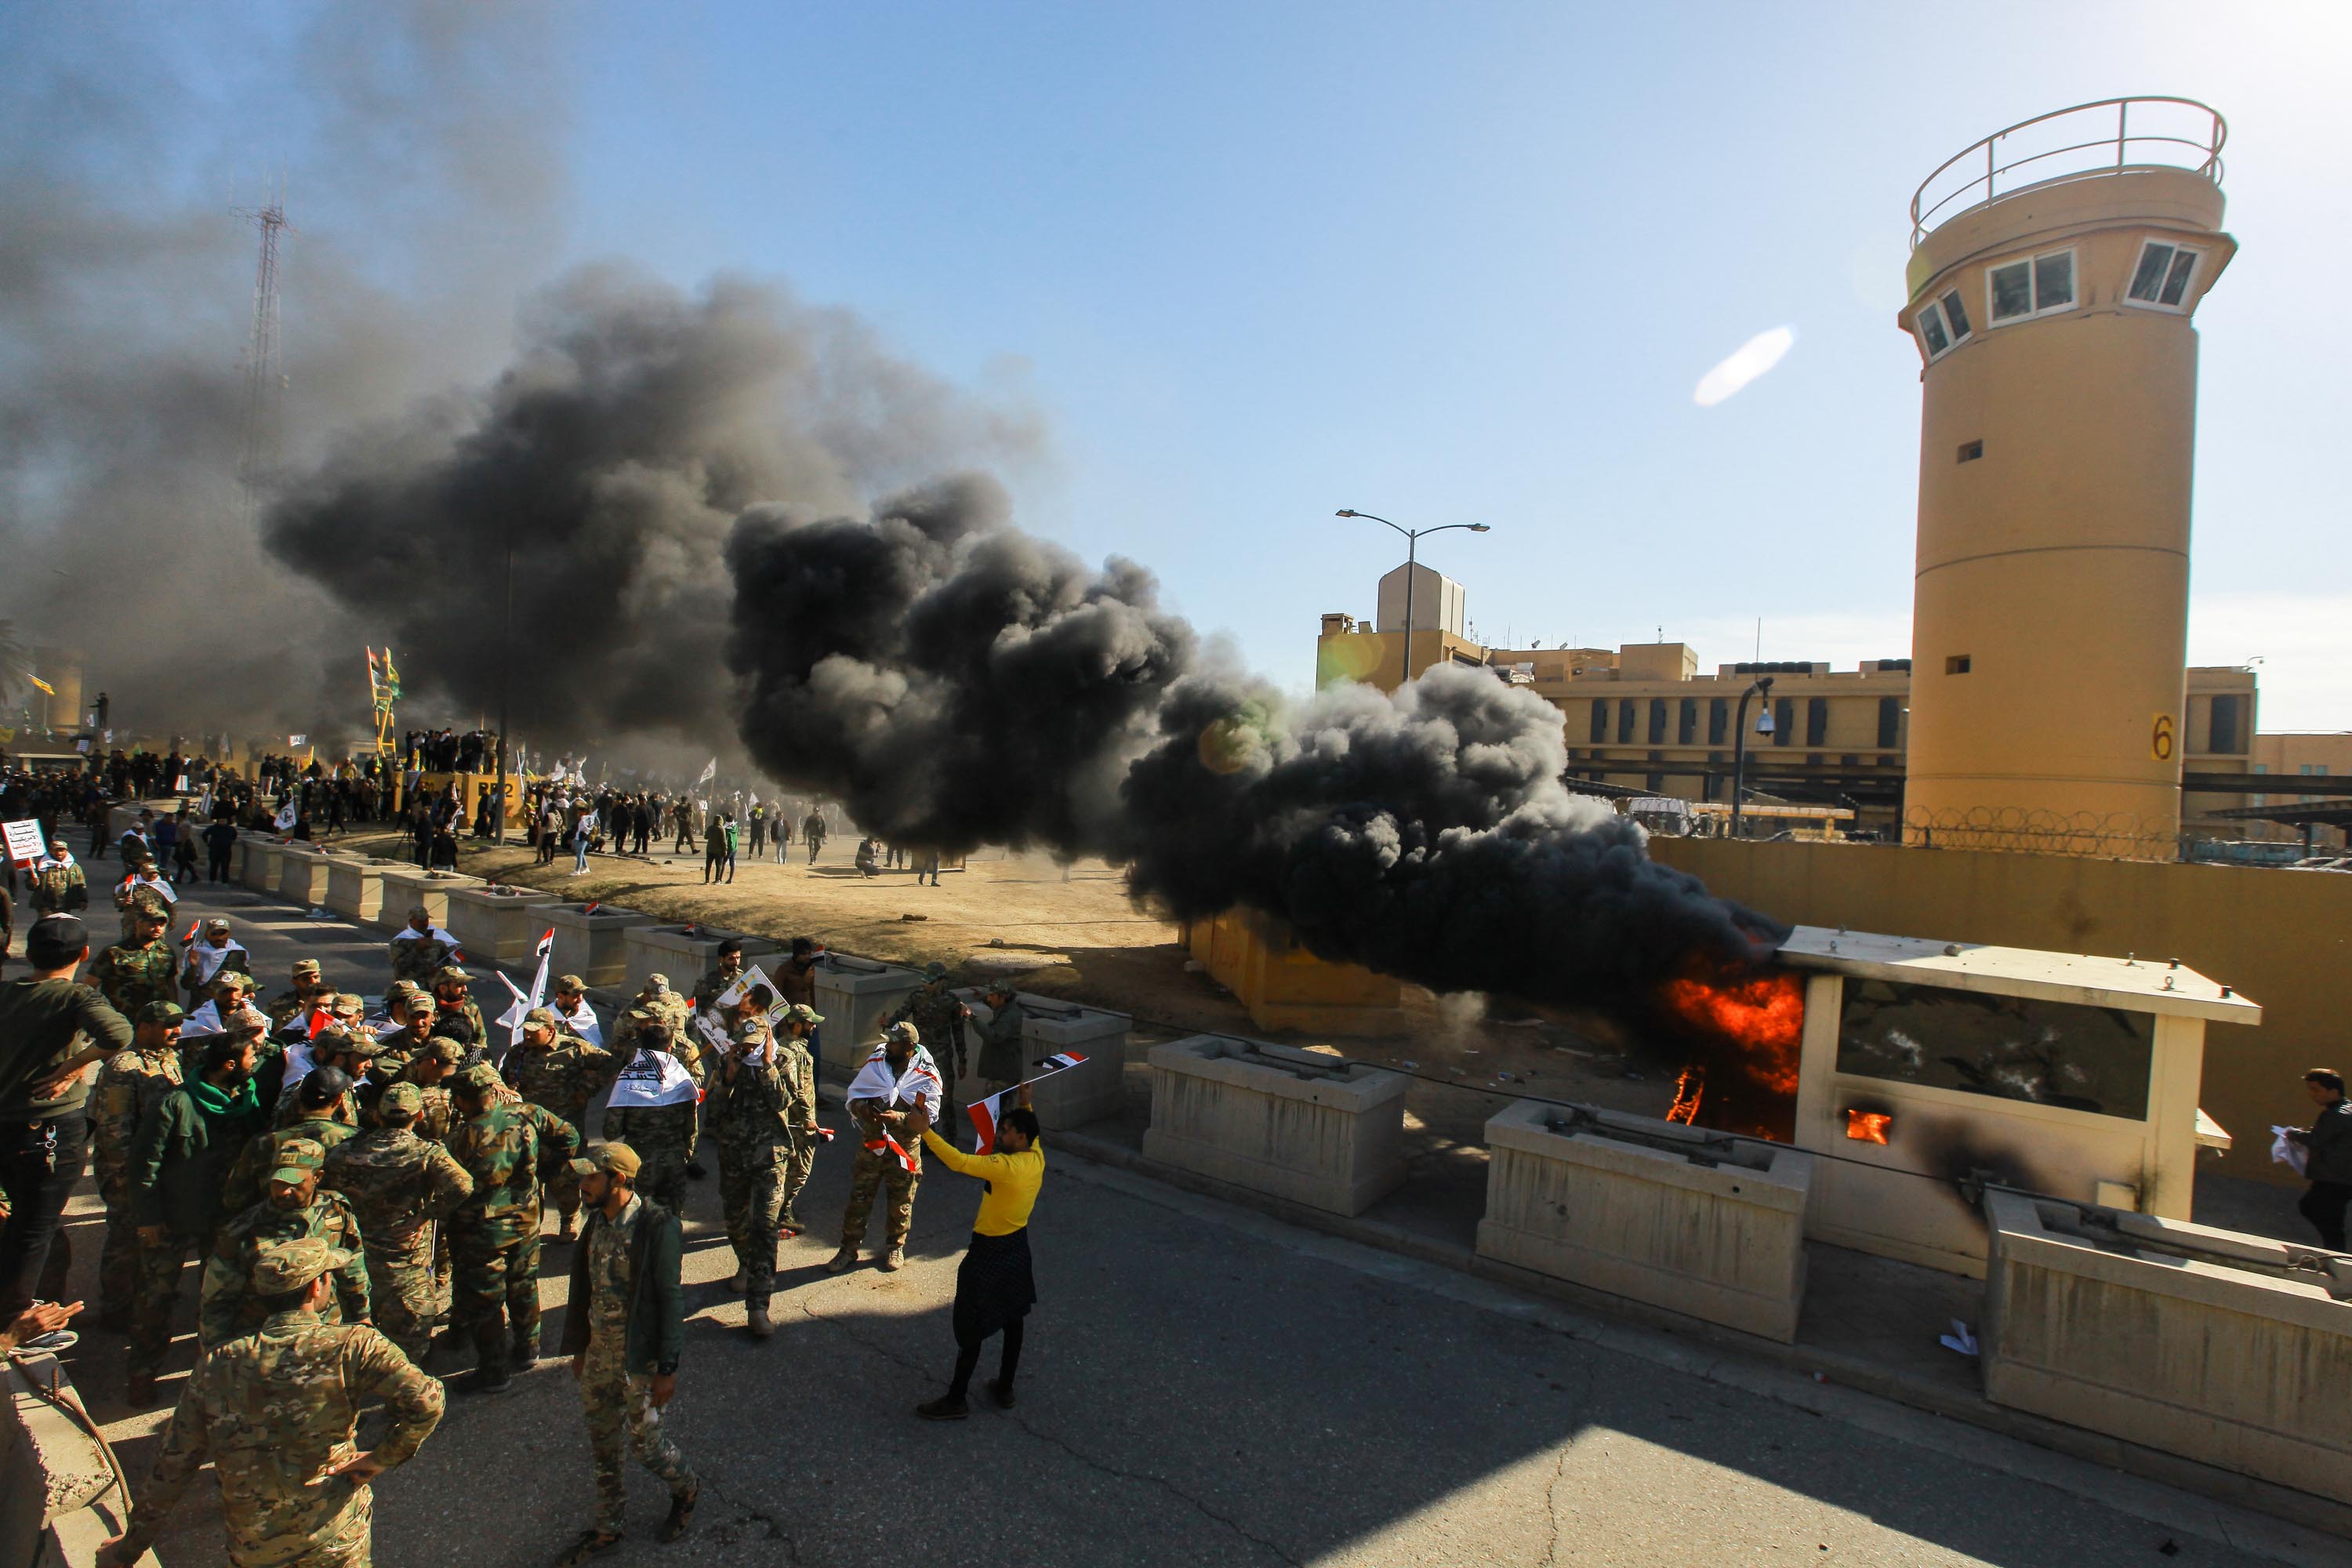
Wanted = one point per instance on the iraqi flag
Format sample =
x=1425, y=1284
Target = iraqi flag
x=885, y=1144
x=985, y=1113
x=513, y=1016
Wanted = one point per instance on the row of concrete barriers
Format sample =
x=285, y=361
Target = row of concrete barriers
x=2227, y=1349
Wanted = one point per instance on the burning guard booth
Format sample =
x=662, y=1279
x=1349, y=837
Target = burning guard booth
x=1936, y=1062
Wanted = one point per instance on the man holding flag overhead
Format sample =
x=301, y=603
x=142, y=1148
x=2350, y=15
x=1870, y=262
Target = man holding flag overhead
x=994, y=1285
x=893, y=1096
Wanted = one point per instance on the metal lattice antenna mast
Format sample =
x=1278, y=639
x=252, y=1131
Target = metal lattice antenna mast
x=264, y=378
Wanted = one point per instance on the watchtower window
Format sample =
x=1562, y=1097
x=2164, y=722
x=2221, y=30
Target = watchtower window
x=2163, y=276
x=2031, y=286
x=1943, y=324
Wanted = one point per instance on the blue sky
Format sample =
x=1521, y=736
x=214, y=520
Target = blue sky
x=1454, y=263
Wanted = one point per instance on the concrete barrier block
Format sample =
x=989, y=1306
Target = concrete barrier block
x=406, y=888
x=2229, y=1349
x=593, y=944
x=1651, y=1210
x=500, y=925
x=302, y=876
x=854, y=994
x=683, y=953
x=1087, y=1092
x=355, y=887
x=263, y=860
x=1310, y=1127
x=49, y=1466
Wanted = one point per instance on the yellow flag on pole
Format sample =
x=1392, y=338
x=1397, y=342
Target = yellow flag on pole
x=47, y=690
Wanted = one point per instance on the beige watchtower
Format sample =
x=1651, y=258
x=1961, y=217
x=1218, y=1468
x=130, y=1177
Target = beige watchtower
x=2055, y=267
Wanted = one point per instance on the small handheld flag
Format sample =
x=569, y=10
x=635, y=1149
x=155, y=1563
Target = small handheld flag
x=985, y=1113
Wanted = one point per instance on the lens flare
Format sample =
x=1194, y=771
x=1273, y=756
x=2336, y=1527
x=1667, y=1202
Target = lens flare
x=1746, y=363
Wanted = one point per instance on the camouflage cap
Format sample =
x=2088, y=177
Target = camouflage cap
x=160, y=1012
x=618, y=1159
x=283, y=1266
x=418, y=912
x=401, y=1100
x=903, y=1034
x=935, y=970
x=570, y=983
x=444, y=1049
x=446, y=972
x=296, y=1158
x=481, y=1079
x=402, y=990
x=306, y=966
x=655, y=985
x=802, y=1012
x=232, y=980
x=216, y=923
x=349, y=1042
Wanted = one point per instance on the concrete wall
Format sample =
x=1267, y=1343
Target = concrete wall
x=2236, y=1366
x=1724, y=1241
x=2282, y=938
x=1299, y=1125
x=59, y=1500
x=502, y=927
x=592, y=945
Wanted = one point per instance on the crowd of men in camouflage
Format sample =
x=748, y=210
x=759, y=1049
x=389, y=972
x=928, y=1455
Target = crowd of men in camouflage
x=362, y=1187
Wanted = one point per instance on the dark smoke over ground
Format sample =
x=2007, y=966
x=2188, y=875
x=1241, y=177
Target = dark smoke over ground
x=956, y=682
x=415, y=145
x=614, y=456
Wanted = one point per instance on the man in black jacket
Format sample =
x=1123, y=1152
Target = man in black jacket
x=2327, y=1157
x=624, y=1330
x=51, y=1032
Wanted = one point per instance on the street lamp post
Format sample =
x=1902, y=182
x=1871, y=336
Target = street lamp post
x=1759, y=686
x=1411, y=548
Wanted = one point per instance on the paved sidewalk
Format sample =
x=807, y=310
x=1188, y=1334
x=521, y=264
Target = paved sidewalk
x=1205, y=1384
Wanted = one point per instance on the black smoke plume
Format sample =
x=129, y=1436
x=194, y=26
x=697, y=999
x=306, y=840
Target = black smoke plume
x=957, y=683
x=612, y=458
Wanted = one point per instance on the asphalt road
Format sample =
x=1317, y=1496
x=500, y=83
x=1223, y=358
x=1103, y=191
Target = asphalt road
x=1203, y=1385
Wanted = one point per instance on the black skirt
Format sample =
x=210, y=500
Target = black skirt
x=993, y=1285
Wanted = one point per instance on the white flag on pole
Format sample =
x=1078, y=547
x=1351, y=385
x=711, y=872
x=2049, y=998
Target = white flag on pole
x=512, y=1017
x=709, y=772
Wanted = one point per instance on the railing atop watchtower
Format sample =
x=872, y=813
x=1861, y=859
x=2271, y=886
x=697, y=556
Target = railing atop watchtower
x=1977, y=172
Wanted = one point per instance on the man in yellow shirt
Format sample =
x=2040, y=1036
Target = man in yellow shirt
x=994, y=1287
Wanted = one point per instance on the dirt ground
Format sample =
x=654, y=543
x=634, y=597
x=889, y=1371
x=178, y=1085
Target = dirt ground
x=1080, y=939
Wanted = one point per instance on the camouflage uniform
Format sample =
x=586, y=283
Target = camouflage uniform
x=564, y=1078
x=417, y=959
x=463, y=1024
x=226, y=1307
x=273, y=1411
x=133, y=973
x=494, y=1235
x=285, y=1004
x=797, y=1069
x=59, y=889
x=130, y=900
x=938, y=1014
x=663, y=1135
x=748, y=1122
x=247, y=1178
x=615, y=1399
x=1003, y=1059
x=127, y=1084
x=877, y=1167
x=236, y=961
x=400, y=1186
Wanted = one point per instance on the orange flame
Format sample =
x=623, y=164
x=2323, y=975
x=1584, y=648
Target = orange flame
x=1687, y=1089
x=1868, y=1126
x=1763, y=1015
